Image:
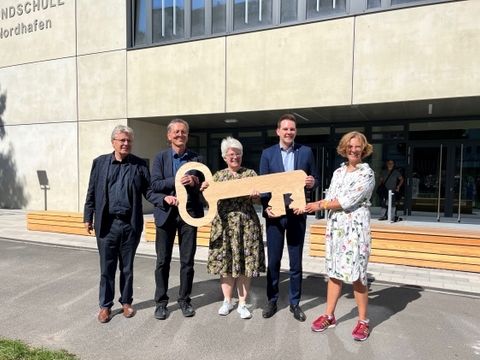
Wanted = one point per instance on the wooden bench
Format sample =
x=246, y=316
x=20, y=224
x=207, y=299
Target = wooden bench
x=57, y=221
x=426, y=246
x=203, y=233
x=72, y=223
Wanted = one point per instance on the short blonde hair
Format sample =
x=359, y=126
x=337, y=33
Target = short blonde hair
x=342, y=147
x=230, y=143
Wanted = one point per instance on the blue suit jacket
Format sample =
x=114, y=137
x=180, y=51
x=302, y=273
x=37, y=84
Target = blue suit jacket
x=271, y=162
x=96, y=201
x=163, y=184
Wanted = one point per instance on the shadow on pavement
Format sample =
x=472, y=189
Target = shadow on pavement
x=386, y=302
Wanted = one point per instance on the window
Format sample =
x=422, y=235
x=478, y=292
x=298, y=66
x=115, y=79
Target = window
x=140, y=23
x=157, y=21
x=219, y=16
x=288, y=11
x=398, y=2
x=168, y=19
x=198, y=17
x=371, y=4
x=320, y=8
x=251, y=13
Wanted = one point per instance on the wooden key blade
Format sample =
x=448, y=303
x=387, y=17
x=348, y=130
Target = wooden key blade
x=298, y=196
x=278, y=184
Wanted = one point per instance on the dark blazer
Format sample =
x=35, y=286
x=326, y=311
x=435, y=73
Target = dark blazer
x=163, y=184
x=96, y=201
x=271, y=162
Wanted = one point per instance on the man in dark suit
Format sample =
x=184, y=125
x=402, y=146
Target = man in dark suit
x=114, y=197
x=286, y=156
x=168, y=220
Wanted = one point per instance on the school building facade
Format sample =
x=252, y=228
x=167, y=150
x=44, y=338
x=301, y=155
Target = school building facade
x=404, y=72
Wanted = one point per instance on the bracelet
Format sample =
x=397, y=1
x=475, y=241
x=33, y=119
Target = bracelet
x=325, y=205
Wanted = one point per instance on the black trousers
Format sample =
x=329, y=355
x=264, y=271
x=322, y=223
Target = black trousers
x=118, y=247
x=384, y=205
x=164, y=240
x=293, y=228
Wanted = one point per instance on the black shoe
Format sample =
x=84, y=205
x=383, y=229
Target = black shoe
x=382, y=218
x=161, y=312
x=269, y=310
x=187, y=309
x=297, y=312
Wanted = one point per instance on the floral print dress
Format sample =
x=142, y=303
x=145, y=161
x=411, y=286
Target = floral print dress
x=236, y=241
x=347, y=237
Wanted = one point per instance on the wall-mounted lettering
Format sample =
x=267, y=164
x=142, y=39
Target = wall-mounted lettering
x=26, y=8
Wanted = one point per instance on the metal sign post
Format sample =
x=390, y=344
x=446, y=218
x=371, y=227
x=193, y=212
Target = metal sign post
x=43, y=180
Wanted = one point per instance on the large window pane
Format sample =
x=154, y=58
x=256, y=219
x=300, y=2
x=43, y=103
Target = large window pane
x=198, y=17
x=219, y=16
x=168, y=19
x=320, y=8
x=371, y=4
x=251, y=13
x=140, y=21
x=288, y=11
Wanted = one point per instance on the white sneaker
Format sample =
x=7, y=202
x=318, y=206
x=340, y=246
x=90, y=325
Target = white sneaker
x=225, y=308
x=244, y=312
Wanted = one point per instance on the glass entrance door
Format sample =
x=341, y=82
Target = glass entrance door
x=443, y=180
x=426, y=179
x=466, y=187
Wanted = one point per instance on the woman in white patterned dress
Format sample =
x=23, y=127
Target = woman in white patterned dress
x=347, y=236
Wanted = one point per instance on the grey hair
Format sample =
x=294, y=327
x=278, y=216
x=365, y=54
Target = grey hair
x=122, y=129
x=177, y=121
x=230, y=143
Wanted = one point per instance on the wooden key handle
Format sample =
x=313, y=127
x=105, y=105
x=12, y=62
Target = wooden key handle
x=182, y=194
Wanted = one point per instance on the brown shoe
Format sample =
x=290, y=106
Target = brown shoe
x=104, y=315
x=128, y=311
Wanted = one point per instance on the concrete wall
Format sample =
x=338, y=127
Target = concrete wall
x=101, y=25
x=418, y=53
x=40, y=92
x=298, y=66
x=39, y=112
x=62, y=90
x=31, y=33
x=51, y=147
x=102, y=86
x=187, y=78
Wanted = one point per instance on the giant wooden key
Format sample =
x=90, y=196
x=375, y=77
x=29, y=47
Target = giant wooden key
x=278, y=184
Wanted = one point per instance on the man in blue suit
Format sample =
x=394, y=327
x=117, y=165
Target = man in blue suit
x=114, y=197
x=168, y=220
x=286, y=156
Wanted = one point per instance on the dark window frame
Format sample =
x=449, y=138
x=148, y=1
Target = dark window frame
x=352, y=8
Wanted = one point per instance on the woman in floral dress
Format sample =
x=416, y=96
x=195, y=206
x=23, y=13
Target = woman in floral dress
x=236, y=250
x=347, y=237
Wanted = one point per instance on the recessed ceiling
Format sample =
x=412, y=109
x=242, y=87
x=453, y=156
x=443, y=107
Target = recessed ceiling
x=408, y=110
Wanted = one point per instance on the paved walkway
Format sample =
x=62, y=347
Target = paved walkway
x=13, y=226
x=49, y=298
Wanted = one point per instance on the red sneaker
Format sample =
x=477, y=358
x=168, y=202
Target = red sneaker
x=323, y=323
x=361, y=331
